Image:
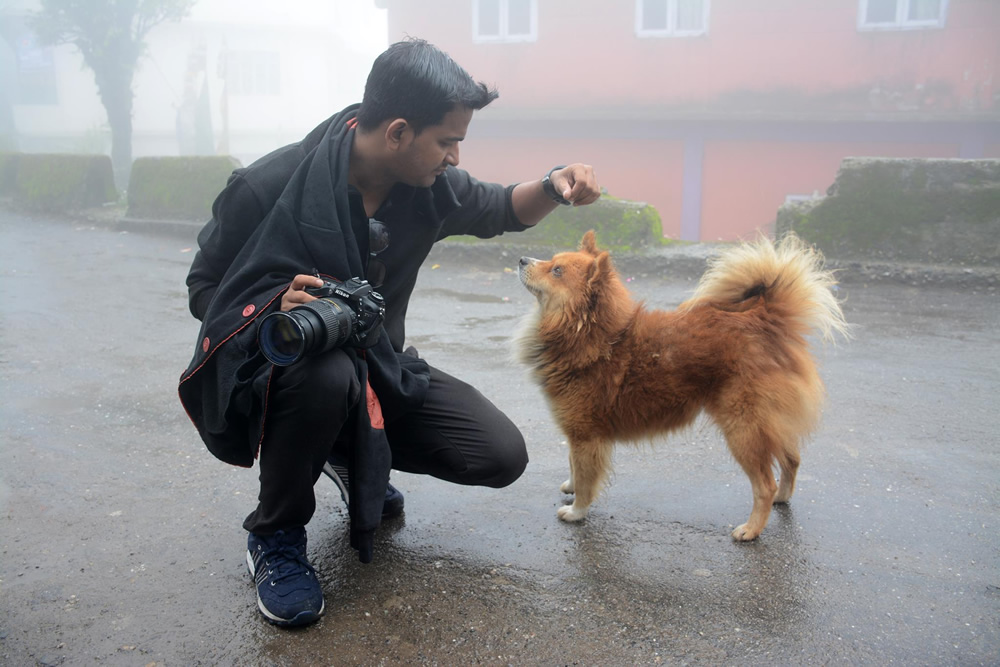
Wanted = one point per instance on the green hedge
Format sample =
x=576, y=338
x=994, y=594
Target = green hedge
x=8, y=173
x=63, y=182
x=905, y=209
x=620, y=224
x=177, y=188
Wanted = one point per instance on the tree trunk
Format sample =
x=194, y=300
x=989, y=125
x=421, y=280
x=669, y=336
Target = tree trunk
x=119, y=109
x=113, y=71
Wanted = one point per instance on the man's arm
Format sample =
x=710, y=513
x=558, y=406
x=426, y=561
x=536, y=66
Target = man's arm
x=489, y=209
x=576, y=183
x=235, y=215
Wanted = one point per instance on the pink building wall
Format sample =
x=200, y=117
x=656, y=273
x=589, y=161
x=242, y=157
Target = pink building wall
x=697, y=125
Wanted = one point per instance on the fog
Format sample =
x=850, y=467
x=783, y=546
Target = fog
x=715, y=112
x=232, y=77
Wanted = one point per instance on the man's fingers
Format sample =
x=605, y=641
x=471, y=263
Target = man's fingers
x=304, y=280
x=582, y=185
x=295, y=293
x=577, y=192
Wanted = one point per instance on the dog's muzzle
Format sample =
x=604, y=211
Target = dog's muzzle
x=522, y=268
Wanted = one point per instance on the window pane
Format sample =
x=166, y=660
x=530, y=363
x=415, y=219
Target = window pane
x=273, y=76
x=489, y=18
x=689, y=15
x=260, y=77
x=924, y=10
x=881, y=11
x=518, y=17
x=654, y=14
x=246, y=78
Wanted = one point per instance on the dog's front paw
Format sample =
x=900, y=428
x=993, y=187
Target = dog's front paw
x=744, y=533
x=571, y=513
x=567, y=486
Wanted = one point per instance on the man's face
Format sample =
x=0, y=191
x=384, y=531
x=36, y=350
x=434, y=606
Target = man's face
x=424, y=156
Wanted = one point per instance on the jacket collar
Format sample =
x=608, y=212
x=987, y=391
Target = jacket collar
x=433, y=203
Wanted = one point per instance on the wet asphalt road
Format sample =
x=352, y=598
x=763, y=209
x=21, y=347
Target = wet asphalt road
x=120, y=537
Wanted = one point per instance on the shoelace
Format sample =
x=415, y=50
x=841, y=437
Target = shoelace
x=280, y=563
x=342, y=473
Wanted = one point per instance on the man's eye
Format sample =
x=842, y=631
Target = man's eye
x=557, y=270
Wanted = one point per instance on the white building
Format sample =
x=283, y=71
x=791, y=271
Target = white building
x=234, y=77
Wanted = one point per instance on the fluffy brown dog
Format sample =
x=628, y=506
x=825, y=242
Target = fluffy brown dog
x=612, y=370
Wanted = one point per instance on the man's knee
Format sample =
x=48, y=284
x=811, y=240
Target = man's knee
x=512, y=466
x=508, y=460
x=328, y=378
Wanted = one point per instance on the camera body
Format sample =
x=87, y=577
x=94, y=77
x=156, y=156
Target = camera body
x=365, y=306
x=345, y=313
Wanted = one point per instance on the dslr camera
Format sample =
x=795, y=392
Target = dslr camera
x=345, y=313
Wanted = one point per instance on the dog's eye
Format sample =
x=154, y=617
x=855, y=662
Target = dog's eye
x=557, y=271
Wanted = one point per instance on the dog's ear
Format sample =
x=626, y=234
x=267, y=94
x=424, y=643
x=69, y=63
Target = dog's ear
x=600, y=268
x=589, y=243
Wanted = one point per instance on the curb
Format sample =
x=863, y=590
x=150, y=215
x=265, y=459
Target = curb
x=689, y=261
x=685, y=261
x=185, y=229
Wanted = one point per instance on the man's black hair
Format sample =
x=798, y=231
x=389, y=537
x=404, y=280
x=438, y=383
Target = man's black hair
x=417, y=81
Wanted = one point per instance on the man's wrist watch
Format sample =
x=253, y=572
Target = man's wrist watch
x=550, y=190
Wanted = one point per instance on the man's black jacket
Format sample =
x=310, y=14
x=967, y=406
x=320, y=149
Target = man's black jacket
x=286, y=214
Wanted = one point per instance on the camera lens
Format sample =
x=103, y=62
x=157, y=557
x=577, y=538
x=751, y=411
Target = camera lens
x=281, y=338
x=311, y=328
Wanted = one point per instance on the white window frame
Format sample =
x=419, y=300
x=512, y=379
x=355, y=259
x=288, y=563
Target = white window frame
x=504, y=37
x=241, y=64
x=671, y=30
x=901, y=22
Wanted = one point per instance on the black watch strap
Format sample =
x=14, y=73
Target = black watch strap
x=550, y=190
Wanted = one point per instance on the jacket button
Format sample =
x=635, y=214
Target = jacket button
x=248, y=311
x=205, y=344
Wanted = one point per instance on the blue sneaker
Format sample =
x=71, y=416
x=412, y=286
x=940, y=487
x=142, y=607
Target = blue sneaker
x=337, y=471
x=287, y=590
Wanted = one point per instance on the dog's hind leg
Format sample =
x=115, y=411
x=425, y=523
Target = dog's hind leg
x=764, y=491
x=568, y=486
x=589, y=463
x=752, y=450
x=789, y=464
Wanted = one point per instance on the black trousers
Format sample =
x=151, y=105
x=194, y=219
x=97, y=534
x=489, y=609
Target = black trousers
x=458, y=435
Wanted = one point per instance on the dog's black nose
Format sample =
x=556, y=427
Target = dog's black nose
x=525, y=261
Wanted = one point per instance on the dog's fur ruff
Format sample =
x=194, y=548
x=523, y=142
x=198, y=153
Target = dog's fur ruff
x=613, y=370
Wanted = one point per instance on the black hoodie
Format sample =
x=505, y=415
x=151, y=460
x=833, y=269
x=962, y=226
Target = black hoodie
x=286, y=214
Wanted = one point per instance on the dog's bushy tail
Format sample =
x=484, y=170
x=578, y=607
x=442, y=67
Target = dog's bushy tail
x=788, y=274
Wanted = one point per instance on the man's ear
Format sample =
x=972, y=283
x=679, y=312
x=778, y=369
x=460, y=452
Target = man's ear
x=398, y=133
